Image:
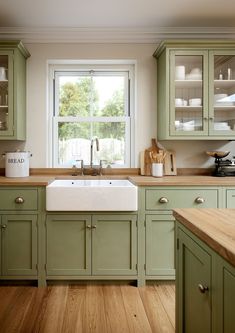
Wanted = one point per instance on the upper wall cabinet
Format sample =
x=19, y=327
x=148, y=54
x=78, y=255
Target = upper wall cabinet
x=13, y=57
x=196, y=90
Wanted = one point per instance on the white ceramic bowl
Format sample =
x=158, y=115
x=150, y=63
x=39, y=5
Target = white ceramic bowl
x=179, y=102
x=195, y=102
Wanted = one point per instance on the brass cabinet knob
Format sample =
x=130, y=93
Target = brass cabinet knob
x=88, y=226
x=199, y=200
x=94, y=226
x=163, y=200
x=4, y=226
x=202, y=288
x=19, y=200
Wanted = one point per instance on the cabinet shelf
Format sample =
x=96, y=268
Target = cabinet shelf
x=224, y=108
x=188, y=83
x=188, y=108
x=224, y=83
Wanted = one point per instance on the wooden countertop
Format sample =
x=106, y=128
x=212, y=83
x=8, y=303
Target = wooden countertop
x=189, y=180
x=216, y=227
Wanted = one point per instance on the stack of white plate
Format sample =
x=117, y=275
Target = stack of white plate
x=221, y=126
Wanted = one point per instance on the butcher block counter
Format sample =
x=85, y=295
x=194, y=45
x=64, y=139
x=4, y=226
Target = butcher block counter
x=216, y=227
x=189, y=180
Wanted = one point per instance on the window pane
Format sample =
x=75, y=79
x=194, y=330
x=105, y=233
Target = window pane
x=109, y=93
x=75, y=94
x=84, y=96
x=75, y=142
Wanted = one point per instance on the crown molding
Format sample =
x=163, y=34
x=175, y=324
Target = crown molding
x=112, y=35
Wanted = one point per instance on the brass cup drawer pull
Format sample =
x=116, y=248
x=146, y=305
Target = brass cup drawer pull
x=163, y=200
x=199, y=200
x=202, y=288
x=19, y=200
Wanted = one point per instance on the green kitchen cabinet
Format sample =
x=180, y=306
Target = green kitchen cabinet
x=230, y=198
x=19, y=245
x=159, y=241
x=91, y=245
x=157, y=204
x=196, y=83
x=13, y=57
x=205, y=287
x=114, y=245
x=193, y=276
x=68, y=245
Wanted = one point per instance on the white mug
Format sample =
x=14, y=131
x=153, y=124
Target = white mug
x=3, y=73
x=157, y=169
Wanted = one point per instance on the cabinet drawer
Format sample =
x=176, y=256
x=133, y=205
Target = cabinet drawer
x=164, y=199
x=230, y=199
x=18, y=199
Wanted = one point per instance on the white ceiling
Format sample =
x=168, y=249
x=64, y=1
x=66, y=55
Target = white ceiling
x=139, y=15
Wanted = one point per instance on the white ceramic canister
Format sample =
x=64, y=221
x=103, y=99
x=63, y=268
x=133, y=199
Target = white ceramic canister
x=17, y=163
x=157, y=169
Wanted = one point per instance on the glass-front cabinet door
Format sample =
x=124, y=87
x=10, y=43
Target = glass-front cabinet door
x=222, y=93
x=188, y=93
x=6, y=93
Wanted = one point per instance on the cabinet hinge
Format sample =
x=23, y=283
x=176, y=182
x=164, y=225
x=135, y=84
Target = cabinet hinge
x=177, y=244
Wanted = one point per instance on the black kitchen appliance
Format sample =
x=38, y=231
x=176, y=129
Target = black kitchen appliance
x=223, y=167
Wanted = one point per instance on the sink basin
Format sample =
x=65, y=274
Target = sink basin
x=91, y=195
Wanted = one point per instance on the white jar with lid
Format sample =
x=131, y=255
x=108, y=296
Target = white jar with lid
x=17, y=163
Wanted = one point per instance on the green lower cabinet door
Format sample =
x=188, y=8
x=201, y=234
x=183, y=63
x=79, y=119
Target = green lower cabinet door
x=114, y=245
x=193, y=297
x=19, y=245
x=160, y=245
x=68, y=240
x=225, y=297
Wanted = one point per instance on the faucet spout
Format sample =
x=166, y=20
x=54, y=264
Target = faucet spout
x=96, y=140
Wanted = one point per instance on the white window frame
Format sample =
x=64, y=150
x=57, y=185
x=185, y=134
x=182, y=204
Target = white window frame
x=126, y=68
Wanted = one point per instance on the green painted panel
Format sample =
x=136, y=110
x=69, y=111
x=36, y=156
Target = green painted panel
x=160, y=245
x=8, y=199
x=68, y=242
x=0, y=245
x=19, y=245
x=230, y=198
x=194, y=265
x=114, y=245
x=229, y=300
x=180, y=198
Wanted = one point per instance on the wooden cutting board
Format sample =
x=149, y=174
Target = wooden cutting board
x=170, y=164
x=147, y=161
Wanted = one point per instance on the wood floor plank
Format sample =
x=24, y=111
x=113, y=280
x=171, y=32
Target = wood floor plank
x=167, y=297
x=93, y=312
x=135, y=311
x=6, y=299
x=36, y=311
x=73, y=321
x=158, y=318
x=17, y=310
x=52, y=320
x=114, y=310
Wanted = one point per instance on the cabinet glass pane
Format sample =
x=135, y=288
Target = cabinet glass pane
x=3, y=92
x=188, y=93
x=224, y=93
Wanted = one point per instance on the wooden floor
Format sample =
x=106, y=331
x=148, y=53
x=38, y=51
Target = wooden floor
x=87, y=308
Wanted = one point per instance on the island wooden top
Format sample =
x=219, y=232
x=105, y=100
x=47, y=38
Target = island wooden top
x=216, y=227
x=189, y=180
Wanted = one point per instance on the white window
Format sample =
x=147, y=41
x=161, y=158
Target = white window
x=89, y=103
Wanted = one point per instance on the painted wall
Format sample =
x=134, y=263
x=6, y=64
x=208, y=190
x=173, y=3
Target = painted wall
x=188, y=154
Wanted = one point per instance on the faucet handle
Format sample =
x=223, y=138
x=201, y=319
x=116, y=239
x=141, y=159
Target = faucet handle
x=82, y=166
x=101, y=166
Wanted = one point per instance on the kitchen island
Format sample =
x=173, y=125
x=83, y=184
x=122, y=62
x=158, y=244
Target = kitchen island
x=205, y=270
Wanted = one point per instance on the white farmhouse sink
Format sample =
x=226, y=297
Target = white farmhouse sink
x=91, y=195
